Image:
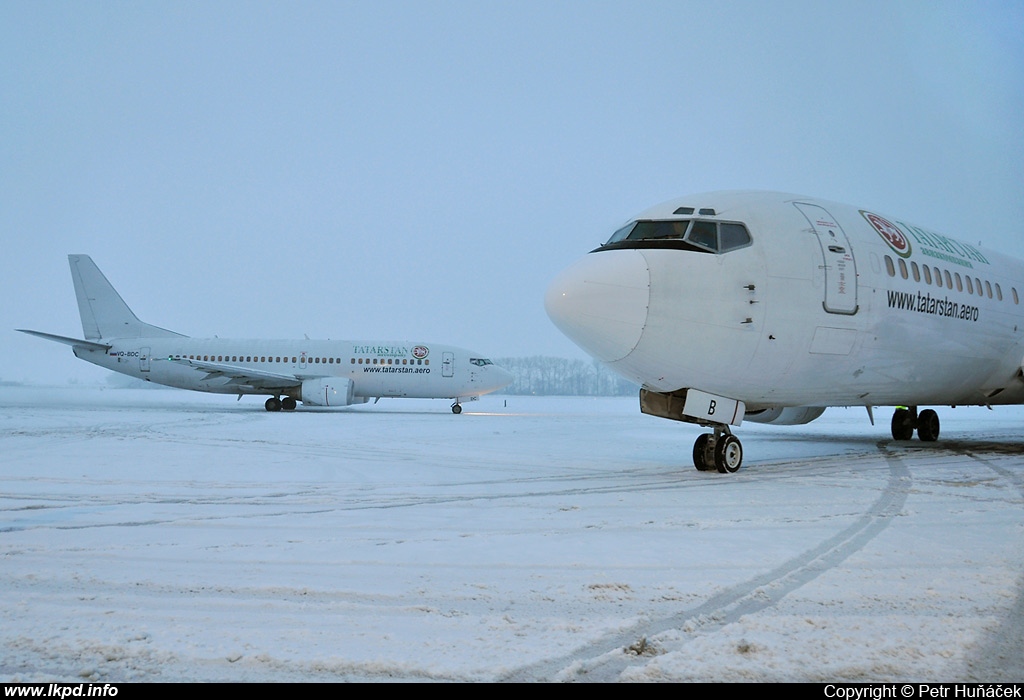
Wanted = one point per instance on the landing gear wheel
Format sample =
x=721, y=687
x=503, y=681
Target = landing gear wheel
x=903, y=425
x=273, y=404
x=288, y=403
x=456, y=408
x=728, y=454
x=700, y=453
x=928, y=425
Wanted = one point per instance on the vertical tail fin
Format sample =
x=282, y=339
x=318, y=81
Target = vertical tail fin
x=103, y=311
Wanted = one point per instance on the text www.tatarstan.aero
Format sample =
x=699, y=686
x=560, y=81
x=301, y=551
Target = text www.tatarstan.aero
x=927, y=304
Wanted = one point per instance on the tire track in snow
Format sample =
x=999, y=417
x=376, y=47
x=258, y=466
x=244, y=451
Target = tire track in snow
x=606, y=659
x=999, y=657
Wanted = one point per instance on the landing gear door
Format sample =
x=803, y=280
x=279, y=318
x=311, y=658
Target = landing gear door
x=448, y=364
x=838, y=263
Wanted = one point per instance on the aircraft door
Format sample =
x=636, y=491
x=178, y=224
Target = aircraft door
x=144, y=359
x=447, y=364
x=838, y=262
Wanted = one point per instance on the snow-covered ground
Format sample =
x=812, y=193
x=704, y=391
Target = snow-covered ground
x=166, y=536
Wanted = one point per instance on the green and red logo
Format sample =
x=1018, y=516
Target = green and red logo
x=889, y=233
x=420, y=351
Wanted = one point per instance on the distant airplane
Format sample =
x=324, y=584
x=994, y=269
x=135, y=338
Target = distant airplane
x=315, y=372
x=771, y=307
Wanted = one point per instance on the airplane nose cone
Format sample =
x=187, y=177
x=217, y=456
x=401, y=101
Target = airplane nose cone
x=600, y=302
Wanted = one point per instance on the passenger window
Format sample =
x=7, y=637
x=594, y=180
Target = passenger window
x=970, y=285
x=938, y=277
x=889, y=267
x=999, y=292
x=959, y=283
x=949, y=280
x=927, y=274
x=988, y=289
x=916, y=271
x=977, y=285
x=903, y=268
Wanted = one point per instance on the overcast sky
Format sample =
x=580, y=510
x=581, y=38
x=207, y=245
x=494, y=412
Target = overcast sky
x=421, y=170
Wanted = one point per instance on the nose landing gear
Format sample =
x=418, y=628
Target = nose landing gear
x=720, y=450
x=906, y=420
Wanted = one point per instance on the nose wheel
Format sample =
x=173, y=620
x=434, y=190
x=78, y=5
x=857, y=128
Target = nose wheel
x=720, y=450
x=456, y=408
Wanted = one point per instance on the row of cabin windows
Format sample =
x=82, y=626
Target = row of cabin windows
x=309, y=360
x=390, y=362
x=947, y=280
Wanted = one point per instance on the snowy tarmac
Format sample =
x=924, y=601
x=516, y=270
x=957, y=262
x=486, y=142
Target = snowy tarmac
x=158, y=535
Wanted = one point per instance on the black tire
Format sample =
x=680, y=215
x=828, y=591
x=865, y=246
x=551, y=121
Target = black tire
x=456, y=409
x=700, y=448
x=273, y=404
x=928, y=426
x=288, y=403
x=902, y=427
x=728, y=454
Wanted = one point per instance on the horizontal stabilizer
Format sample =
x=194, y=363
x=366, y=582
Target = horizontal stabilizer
x=73, y=342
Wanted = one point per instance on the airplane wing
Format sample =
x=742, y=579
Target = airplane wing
x=242, y=376
x=73, y=342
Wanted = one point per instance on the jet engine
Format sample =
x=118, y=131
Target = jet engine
x=785, y=416
x=327, y=391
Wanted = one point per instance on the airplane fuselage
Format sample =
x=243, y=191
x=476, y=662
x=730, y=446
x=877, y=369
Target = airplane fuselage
x=376, y=369
x=780, y=301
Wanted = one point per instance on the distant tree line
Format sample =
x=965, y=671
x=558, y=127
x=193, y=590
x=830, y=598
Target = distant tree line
x=557, y=376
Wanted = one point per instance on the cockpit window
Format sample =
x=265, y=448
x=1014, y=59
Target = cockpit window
x=650, y=230
x=732, y=236
x=704, y=234
x=479, y=362
x=696, y=235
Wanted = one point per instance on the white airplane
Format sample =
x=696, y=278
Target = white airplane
x=772, y=307
x=315, y=372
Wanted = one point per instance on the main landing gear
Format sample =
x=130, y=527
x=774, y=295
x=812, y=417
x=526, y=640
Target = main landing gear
x=276, y=403
x=720, y=450
x=906, y=420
